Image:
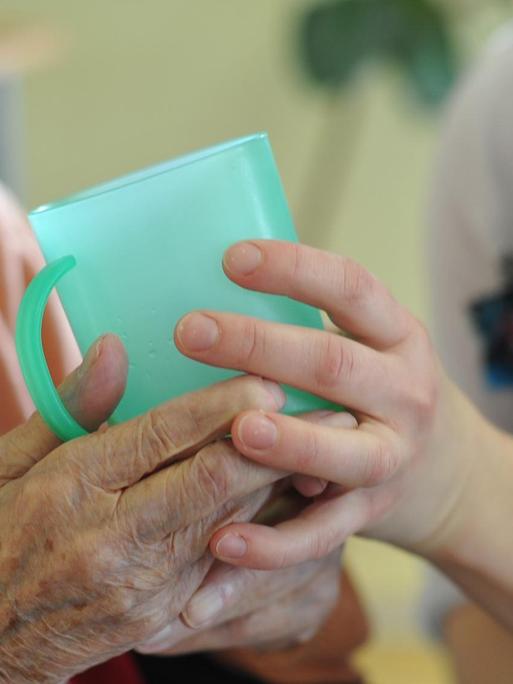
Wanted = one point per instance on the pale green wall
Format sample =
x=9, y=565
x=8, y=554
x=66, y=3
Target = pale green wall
x=143, y=81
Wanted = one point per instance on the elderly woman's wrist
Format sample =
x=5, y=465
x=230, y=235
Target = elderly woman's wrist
x=17, y=671
x=36, y=661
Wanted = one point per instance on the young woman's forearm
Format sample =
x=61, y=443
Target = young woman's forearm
x=475, y=548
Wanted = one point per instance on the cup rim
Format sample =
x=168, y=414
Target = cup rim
x=147, y=173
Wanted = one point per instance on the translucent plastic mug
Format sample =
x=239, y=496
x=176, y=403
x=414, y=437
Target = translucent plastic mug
x=133, y=255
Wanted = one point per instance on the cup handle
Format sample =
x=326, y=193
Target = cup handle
x=29, y=346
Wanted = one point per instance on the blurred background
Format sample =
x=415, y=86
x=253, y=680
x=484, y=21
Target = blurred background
x=351, y=93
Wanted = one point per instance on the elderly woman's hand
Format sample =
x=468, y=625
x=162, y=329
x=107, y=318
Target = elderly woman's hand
x=103, y=539
x=238, y=607
x=255, y=608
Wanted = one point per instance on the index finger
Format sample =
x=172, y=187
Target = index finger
x=355, y=300
x=314, y=533
x=122, y=455
x=197, y=495
x=229, y=592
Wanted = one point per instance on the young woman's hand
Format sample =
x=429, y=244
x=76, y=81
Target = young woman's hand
x=398, y=476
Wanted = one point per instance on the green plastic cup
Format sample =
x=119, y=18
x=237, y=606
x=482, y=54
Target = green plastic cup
x=133, y=255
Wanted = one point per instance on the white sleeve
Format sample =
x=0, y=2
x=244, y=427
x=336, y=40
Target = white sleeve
x=471, y=222
x=470, y=231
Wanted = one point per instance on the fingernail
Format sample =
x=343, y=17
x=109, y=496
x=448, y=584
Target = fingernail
x=231, y=546
x=317, y=486
x=257, y=431
x=205, y=605
x=197, y=332
x=276, y=392
x=340, y=419
x=243, y=258
x=91, y=357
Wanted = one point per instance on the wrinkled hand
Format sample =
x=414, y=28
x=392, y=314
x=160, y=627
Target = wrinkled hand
x=239, y=607
x=103, y=539
x=258, y=610
x=396, y=476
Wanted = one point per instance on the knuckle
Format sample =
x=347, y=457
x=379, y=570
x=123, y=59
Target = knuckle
x=154, y=439
x=297, y=262
x=425, y=398
x=380, y=464
x=309, y=453
x=253, y=342
x=356, y=282
x=282, y=559
x=194, y=419
x=321, y=544
x=211, y=474
x=252, y=393
x=335, y=362
x=424, y=405
x=422, y=396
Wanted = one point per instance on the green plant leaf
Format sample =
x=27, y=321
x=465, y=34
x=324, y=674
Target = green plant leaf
x=340, y=36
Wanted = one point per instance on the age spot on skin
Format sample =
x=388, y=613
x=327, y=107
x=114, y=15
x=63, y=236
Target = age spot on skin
x=80, y=606
x=49, y=545
x=9, y=619
x=13, y=623
x=10, y=565
x=44, y=585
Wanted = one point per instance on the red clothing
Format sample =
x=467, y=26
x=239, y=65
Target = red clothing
x=122, y=670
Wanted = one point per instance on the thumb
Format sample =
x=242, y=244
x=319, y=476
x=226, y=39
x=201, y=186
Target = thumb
x=95, y=388
x=90, y=393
